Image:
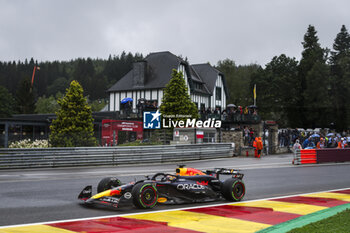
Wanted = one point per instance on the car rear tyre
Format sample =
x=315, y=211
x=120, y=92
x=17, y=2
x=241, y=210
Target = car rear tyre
x=233, y=189
x=145, y=195
x=108, y=183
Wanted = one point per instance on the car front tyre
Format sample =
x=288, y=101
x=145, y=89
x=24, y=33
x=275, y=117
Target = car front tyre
x=108, y=183
x=145, y=195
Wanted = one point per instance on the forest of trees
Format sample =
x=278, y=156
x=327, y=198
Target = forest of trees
x=310, y=93
x=313, y=92
x=53, y=78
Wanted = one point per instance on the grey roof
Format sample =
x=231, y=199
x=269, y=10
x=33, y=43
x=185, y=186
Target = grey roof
x=209, y=75
x=195, y=76
x=159, y=69
x=158, y=74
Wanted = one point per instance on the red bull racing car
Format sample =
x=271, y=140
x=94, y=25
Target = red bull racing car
x=188, y=185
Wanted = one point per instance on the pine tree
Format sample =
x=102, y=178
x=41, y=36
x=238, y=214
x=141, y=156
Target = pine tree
x=341, y=45
x=74, y=124
x=176, y=99
x=340, y=70
x=317, y=99
x=315, y=83
x=279, y=90
x=25, y=97
x=7, y=103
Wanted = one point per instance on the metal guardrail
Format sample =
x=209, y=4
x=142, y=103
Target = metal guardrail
x=91, y=156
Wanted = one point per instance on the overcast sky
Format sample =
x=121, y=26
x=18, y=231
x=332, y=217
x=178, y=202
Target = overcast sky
x=246, y=31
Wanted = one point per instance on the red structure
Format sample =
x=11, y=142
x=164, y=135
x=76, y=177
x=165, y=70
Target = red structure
x=118, y=131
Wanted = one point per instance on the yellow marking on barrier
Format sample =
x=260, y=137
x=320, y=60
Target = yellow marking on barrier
x=35, y=228
x=293, y=208
x=338, y=196
x=201, y=222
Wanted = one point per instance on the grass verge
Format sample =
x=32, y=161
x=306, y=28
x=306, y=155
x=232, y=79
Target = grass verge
x=338, y=223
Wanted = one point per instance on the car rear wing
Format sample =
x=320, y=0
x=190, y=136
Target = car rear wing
x=226, y=171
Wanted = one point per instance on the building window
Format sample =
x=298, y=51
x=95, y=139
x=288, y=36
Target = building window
x=198, y=86
x=209, y=137
x=218, y=93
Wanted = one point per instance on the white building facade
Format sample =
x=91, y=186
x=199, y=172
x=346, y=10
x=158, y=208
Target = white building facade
x=148, y=78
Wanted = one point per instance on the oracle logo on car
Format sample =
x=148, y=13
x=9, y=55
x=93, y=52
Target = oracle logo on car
x=189, y=186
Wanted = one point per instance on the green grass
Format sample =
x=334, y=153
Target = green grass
x=339, y=223
x=138, y=143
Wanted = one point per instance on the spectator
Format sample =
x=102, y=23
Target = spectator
x=282, y=137
x=331, y=142
x=127, y=108
x=245, y=110
x=334, y=143
x=266, y=141
x=251, y=136
x=308, y=143
x=342, y=144
x=296, y=146
x=140, y=107
x=321, y=144
x=154, y=105
x=246, y=135
x=224, y=115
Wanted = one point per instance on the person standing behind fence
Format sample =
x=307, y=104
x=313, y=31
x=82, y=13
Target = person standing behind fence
x=332, y=142
x=245, y=110
x=321, y=144
x=251, y=136
x=266, y=141
x=342, y=144
x=296, y=146
x=308, y=143
x=259, y=146
x=246, y=136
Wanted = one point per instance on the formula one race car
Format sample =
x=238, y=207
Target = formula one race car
x=188, y=185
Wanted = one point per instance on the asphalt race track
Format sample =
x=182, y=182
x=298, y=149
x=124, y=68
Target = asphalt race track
x=31, y=196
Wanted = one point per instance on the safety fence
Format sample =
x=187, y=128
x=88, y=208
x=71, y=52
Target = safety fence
x=328, y=155
x=91, y=156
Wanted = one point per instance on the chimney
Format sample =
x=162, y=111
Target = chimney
x=139, y=73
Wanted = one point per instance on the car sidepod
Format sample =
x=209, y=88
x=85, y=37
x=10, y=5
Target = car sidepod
x=188, y=189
